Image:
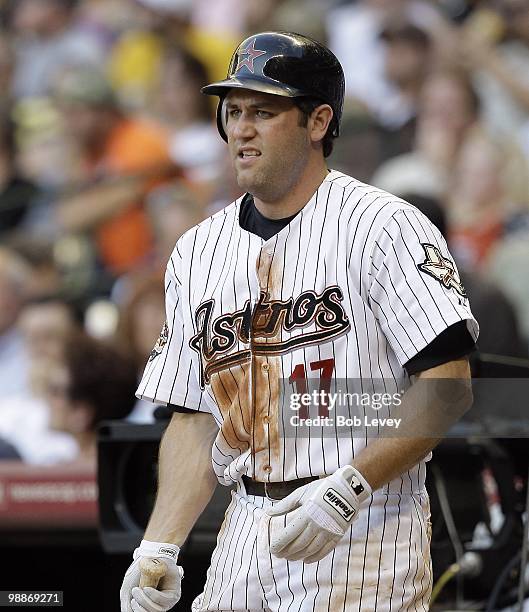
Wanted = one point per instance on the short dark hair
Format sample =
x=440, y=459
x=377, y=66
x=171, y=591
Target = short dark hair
x=100, y=376
x=408, y=33
x=196, y=71
x=307, y=105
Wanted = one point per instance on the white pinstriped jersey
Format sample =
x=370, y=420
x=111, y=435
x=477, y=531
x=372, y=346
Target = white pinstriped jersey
x=354, y=286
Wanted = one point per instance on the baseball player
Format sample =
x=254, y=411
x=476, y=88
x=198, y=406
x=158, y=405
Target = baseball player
x=310, y=277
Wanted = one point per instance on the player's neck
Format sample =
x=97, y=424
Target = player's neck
x=298, y=196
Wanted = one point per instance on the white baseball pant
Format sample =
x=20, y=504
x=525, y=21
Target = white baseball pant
x=381, y=564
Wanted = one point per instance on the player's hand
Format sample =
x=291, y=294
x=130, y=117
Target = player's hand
x=317, y=515
x=149, y=599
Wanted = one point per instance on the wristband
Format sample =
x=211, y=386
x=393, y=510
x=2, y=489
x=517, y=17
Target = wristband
x=361, y=488
x=164, y=550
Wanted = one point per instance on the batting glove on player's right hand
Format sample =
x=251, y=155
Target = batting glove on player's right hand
x=148, y=599
x=318, y=515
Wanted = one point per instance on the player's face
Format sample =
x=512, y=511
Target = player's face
x=268, y=145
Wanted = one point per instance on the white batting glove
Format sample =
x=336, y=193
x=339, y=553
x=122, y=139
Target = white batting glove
x=148, y=599
x=318, y=515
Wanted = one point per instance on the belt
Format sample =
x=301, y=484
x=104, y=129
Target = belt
x=274, y=490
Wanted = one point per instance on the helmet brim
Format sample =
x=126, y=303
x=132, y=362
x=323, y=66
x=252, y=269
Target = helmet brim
x=268, y=86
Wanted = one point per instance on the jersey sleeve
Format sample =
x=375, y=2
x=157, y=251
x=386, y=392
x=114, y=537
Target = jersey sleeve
x=415, y=291
x=170, y=376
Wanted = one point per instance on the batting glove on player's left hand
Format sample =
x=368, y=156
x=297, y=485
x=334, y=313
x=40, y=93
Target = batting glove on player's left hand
x=148, y=599
x=318, y=515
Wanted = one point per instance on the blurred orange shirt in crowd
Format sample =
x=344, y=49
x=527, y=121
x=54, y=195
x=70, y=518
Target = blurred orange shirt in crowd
x=134, y=146
x=475, y=243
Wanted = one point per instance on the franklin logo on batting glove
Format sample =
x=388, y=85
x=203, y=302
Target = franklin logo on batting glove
x=334, y=499
x=317, y=515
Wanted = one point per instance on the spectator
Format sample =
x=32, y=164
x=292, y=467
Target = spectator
x=194, y=143
x=45, y=156
x=488, y=184
x=507, y=267
x=365, y=144
x=90, y=383
x=495, y=45
x=46, y=41
x=408, y=61
x=123, y=158
x=45, y=323
x=16, y=193
x=41, y=255
x=23, y=416
x=15, y=279
x=224, y=16
x=136, y=58
x=173, y=209
x=354, y=31
x=448, y=113
x=141, y=319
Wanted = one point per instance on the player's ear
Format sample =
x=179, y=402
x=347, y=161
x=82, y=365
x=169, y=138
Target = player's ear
x=319, y=122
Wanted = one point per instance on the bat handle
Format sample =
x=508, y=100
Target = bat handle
x=151, y=572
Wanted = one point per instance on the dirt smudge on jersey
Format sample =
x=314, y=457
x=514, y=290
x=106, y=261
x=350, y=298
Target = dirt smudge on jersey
x=266, y=377
x=230, y=390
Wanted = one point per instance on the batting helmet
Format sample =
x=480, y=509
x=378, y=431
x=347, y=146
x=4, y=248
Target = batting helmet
x=284, y=64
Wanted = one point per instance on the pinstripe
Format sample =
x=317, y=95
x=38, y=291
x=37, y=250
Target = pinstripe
x=303, y=586
x=216, y=244
x=234, y=535
x=175, y=310
x=318, y=259
x=248, y=575
x=349, y=558
x=241, y=551
x=397, y=259
x=331, y=584
x=190, y=274
x=388, y=326
x=400, y=298
x=296, y=267
x=395, y=545
x=394, y=313
x=365, y=555
x=287, y=566
x=317, y=589
x=425, y=561
x=217, y=555
x=273, y=577
x=422, y=279
x=409, y=562
x=381, y=547
x=337, y=259
x=282, y=293
x=306, y=365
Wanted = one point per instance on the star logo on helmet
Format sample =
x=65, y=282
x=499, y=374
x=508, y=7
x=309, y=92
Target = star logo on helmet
x=251, y=54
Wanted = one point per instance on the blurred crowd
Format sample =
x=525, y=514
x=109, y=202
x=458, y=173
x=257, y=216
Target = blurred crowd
x=108, y=153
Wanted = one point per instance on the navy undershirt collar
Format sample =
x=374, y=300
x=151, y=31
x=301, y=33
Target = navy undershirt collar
x=251, y=220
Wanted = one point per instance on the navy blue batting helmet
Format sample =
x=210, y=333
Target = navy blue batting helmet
x=284, y=64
